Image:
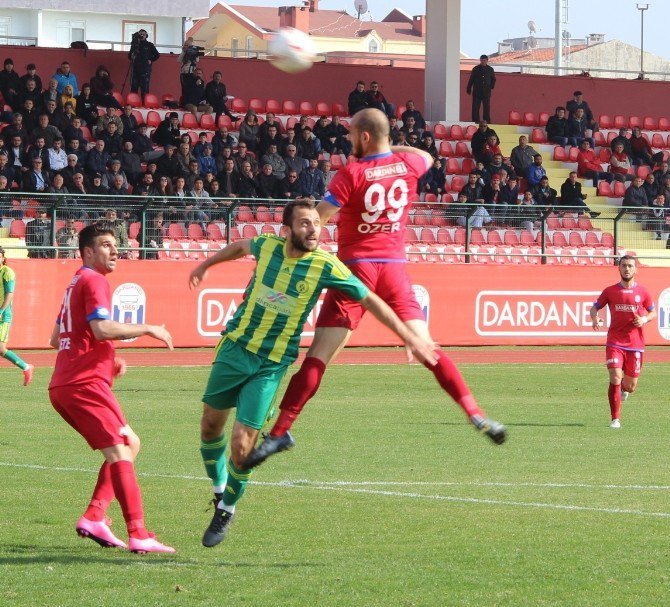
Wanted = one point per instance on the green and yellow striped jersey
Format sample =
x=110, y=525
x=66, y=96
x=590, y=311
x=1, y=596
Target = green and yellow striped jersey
x=282, y=292
x=7, y=283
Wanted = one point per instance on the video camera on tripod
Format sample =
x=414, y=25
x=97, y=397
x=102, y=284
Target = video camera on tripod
x=192, y=54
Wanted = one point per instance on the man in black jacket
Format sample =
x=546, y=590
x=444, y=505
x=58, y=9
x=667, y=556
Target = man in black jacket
x=572, y=197
x=217, y=96
x=10, y=84
x=557, y=127
x=577, y=102
x=168, y=131
x=481, y=84
x=358, y=98
x=142, y=54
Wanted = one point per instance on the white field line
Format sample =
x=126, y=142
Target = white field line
x=353, y=487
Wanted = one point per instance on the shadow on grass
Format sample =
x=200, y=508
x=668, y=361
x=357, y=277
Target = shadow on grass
x=508, y=425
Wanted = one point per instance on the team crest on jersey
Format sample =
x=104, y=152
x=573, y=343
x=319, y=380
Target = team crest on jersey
x=301, y=287
x=664, y=314
x=382, y=172
x=129, y=304
x=423, y=298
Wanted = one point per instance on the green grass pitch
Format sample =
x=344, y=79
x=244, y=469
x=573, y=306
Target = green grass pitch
x=389, y=498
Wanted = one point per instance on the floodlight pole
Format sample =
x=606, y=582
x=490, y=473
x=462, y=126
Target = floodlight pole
x=642, y=8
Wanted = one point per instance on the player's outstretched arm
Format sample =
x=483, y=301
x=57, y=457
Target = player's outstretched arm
x=397, y=149
x=110, y=329
x=326, y=210
x=422, y=349
x=233, y=251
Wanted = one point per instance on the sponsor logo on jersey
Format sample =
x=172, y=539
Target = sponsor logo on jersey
x=664, y=314
x=536, y=314
x=388, y=170
x=423, y=299
x=129, y=304
x=625, y=308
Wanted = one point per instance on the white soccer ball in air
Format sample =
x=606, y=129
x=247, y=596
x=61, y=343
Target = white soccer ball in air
x=292, y=50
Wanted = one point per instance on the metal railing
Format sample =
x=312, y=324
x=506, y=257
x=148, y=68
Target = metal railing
x=470, y=232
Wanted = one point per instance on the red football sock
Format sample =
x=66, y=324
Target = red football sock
x=301, y=388
x=614, y=395
x=127, y=491
x=451, y=380
x=103, y=494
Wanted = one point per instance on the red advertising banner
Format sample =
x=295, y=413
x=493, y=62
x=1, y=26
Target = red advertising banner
x=464, y=304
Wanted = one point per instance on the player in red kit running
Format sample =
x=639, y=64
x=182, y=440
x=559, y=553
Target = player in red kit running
x=81, y=390
x=373, y=197
x=631, y=307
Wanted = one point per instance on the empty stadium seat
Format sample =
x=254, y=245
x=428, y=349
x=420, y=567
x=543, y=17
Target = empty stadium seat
x=17, y=229
x=650, y=123
x=575, y=239
x=444, y=236
x=514, y=118
x=245, y=214
x=642, y=171
x=446, y=149
x=569, y=222
x=268, y=228
x=239, y=105
x=553, y=223
x=427, y=235
x=337, y=161
x=153, y=119
x=194, y=231
x=620, y=122
x=440, y=131
x=477, y=237
x=462, y=150
x=663, y=124
x=207, y=122
x=430, y=198
x=657, y=141
x=511, y=238
x=151, y=101
x=538, y=136
x=214, y=232
x=457, y=183
x=493, y=238
x=619, y=189
x=635, y=121
x=289, y=107
x=306, y=108
x=134, y=99
x=133, y=229
x=264, y=215
x=591, y=239
x=250, y=230
x=453, y=166
x=272, y=105
x=176, y=230
x=599, y=138
x=605, y=189
x=605, y=121
x=256, y=105
x=189, y=121
x=470, y=131
x=529, y=119
x=235, y=234
x=604, y=154
x=340, y=110
x=456, y=133
x=467, y=166
x=87, y=133
x=322, y=108
x=543, y=118
x=573, y=153
x=560, y=154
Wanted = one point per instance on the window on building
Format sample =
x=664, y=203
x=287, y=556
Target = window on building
x=373, y=46
x=68, y=32
x=130, y=27
x=4, y=29
x=250, y=46
x=234, y=47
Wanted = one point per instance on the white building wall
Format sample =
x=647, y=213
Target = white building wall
x=21, y=23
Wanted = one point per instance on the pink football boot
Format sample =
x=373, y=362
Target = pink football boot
x=99, y=532
x=150, y=544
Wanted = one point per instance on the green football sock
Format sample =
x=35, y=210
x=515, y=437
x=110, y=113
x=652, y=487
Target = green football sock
x=15, y=360
x=237, y=483
x=214, y=457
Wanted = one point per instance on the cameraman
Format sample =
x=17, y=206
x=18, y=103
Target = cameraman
x=142, y=55
x=217, y=96
x=188, y=75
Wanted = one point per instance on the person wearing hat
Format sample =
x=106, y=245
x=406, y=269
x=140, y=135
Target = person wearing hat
x=114, y=170
x=168, y=131
x=577, y=102
x=96, y=186
x=31, y=74
x=480, y=85
x=10, y=84
x=109, y=116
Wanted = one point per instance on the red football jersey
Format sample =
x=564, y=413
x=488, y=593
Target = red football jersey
x=624, y=305
x=375, y=195
x=81, y=357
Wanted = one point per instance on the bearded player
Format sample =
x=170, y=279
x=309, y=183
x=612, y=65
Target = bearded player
x=81, y=390
x=631, y=307
x=373, y=197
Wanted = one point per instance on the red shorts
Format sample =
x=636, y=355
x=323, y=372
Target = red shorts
x=628, y=360
x=388, y=280
x=93, y=411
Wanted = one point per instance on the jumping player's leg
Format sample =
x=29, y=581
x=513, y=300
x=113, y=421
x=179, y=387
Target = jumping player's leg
x=12, y=357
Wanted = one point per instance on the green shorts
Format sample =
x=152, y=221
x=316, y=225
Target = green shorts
x=4, y=331
x=243, y=380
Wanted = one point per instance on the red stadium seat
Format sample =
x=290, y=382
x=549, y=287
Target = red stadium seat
x=559, y=239
x=457, y=183
x=264, y=215
x=604, y=154
x=207, y=122
x=605, y=189
x=599, y=138
x=605, y=121
x=430, y=198
x=663, y=124
x=153, y=118
x=193, y=136
x=272, y=105
x=529, y=119
x=268, y=228
x=134, y=99
x=493, y=238
x=456, y=133
x=511, y=238
x=214, y=232
x=427, y=235
x=462, y=150
x=470, y=131
x=134, y=229
x=176, y=230
x=189, y=121
x=400, y=110
x=448, y=198
x=620, y=122
x=538, y=136
x=337, y=162
x=526, y=238
x=591, y=239
x=514, y=118
x=573, y=152
x=446, y=149
x=444, y=236
x=87, y=133
x=453, y=165
x=291, y=122
x=306, y=108
x=256, y=105
x=119, y=97
x=584, y=223
x=168, y=98
x=138, y=117
x=440, y=131
x=17, y=229
x=245, y=214
x=289, y=107
x=322, y=108
x=194, y=231
x=650, y=123
x=250, y=230
x=560, y=154
x=235, y=234
x=667, y=145
x=152, y=101
x=642, y=171
x=575, y=239
x=339, y=110
x=553, y=223
x=607, y=240
x=635, y=121
x=610, y=137
x=543, y=118
x=239, y=105
x=619, y=189
x=477, y=237
x=467, y=166
x=569, y=222
x=657, y=141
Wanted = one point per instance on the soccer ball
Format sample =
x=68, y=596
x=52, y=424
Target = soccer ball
x=292, y=50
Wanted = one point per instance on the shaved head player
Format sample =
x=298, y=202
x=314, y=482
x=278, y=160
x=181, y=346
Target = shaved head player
x=373, y=197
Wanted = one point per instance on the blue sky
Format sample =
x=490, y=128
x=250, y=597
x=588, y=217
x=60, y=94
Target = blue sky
x=485, y=22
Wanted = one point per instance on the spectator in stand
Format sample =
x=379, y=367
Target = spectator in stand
x=660, y=174
x=109, y=116
x=289, y=139
x=37, y=150
x=479, y=218
x=31, y=74
x=36, y=179
x=102, y=88
x=29, y=114
x=544, y=195
x=293, y=162
x=112, y=139
x=67, y=96
x=427, y=144
x=535, y=171
x=54, y=115
x=324, y=166
x=490, y=150
x=114, y=171
x=650, y=186
x=311, y=181
x=87, y=108
x=167, y=132
x=96, y=186
x=572, y=197
x=402, y=140
x=10, y=84
x=193, y=174
x=577, y=103
x=267, y=182
x=73, y=168
x=509, y=198
x=67, y=239
x=557, y=127
x=74, y=131
x=7, y=171
x=67, y=116
x=229, y=179
x=168, y=164
x=270, y=120
x=275, y=161
x=377, y=100
x=338, y=141
x=194, y=97
x=480, y=85
x=657, y=216
x=38, y=236
x=113, y=222
x=249, y=131
x=358, y=98
x=17, y=157
x=492, y=193
x=394, y=130
x=142, y=55
x=129, y=123
x=57, y=156
x=118, y=189
x=413, y=140
x=243, y=155
x=78, y=186
x=98, y=159
x=620, y=164
x=522, y=156
x=577, y=129
x=271, y=137
x=303, y=122
x=51, y=93
x=289, y=188
x=321, y=131
x=207, y=162
x=473, y=190
x=15, y=129
x=217, y=97
x=222, y=139
x=527, y=215
x=131, y=164
x=30, y=91
x=622, y=138
x=480, y=138
x=145, y=185
x=247, y=181
x=308, y=145
x=588, y=165
x=141, y=142
x=199, y=148
x=410, y=128
x=414, y=113
x=64, y=77
x=434, y=181
x=153, y=236
x=57, y=185
x=636, y=195
x=200, y=203
x=498, y=166
x=640, y=150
